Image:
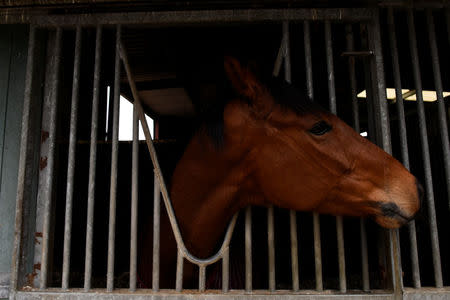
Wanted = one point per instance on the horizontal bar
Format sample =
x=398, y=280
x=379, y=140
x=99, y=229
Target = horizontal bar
x=123, y=294
x=171, y=18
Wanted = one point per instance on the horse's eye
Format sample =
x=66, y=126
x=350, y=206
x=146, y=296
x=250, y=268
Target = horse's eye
x=320, y=128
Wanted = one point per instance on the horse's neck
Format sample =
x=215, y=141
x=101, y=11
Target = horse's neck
x=203, y=198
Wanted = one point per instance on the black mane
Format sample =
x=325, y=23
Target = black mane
x=286, y=95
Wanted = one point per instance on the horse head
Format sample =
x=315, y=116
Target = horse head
x=298, y=156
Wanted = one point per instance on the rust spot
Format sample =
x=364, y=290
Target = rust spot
x=44, y=136
x=32, y=276
x=38, y=234
x=43, y=163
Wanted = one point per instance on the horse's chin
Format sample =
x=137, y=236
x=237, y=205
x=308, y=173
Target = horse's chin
x=390, y=222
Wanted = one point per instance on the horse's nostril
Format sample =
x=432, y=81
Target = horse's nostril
x=420, y=193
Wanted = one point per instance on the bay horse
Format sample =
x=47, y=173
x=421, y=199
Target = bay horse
x=276, y=147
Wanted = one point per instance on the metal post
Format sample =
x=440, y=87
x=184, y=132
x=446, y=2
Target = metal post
x=403, y=140
x=114, y=167
x=440, y=100
x=381, y=114
x=248, y=249
x=333, y=109
x=179, y=276
x=201, y=278
x=48, y=181
x=226, y=271
x=271, y=248
x=156, y=232
x=425, y=153
x=71, y=161
x=316, y=219
x=134, y=200
x=92, y=163
x=24, y=145
x=356, y=126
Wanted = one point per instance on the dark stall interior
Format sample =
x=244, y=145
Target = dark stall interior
x=179, y=74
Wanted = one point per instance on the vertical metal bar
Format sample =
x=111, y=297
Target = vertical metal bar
x=92, y=163
x=114, y=167
x=21, y=182
x=287, y=52
x=134, y=200
x=382, y=121
x=156, y=232
x=271, y=248
x=330, y=68
x=447, y=17
x=201, y=278
x=71, y=161
x=48, y=185
x=316, y=220
x=355, y=111
x=226, y=271
x=114, y=158
x=333, y=109
x=317, y=252
x=179, y=276
x=294, y=250
x=248, y=249
x=403, y=140
x=425, y=152
x=308, y=60
x=440, y=100
x=292, y=214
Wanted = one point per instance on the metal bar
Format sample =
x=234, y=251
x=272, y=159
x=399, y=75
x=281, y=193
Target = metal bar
x=248, y=249
x=271, y=248
x=355, y=111
x=287, y=53
x=381, y=114
x=317, y=252
x=440, y=100
x=425, y=153
x=292, y=214
x=330, y=68
x=134, y=200
x=156, y=233
x=48, y=185
x=333, y=109
x=316, y=220
x=308, y=60
x=179, y=276
x=21, y=181
x=114, y=167
x=403, y=140
x=92, y=163
x=201, y=278
x=226, y=271
x=294, y=250
x=71, y=161
x=177, y=18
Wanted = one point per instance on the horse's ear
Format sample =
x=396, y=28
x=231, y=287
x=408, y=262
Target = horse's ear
x=244, y=81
